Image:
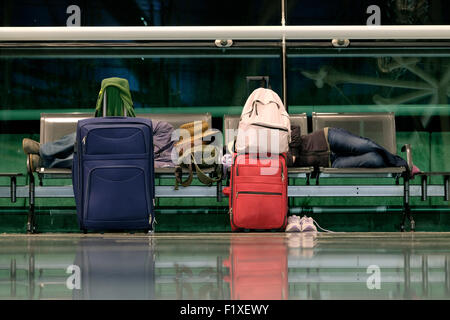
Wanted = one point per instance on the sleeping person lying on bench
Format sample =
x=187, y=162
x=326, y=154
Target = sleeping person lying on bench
x=59, y=153
x=339, y=148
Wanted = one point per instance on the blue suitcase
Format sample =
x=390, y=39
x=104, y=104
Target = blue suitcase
x=113, y=173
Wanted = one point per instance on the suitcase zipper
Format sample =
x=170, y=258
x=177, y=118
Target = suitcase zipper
x=282, y=171
x=84, y=144
x=90, y=130
x=257, y=192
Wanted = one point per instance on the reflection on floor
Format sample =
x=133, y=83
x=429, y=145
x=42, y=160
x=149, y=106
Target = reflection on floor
x=226, y=266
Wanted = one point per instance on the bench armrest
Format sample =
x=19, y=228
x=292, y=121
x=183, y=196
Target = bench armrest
x=407, y=148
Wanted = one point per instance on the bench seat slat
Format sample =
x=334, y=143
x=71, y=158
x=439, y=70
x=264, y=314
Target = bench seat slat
x=362, y=170
x=58, y=172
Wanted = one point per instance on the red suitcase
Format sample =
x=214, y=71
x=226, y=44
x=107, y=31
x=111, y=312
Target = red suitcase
x=258, y=269
x=258, y=192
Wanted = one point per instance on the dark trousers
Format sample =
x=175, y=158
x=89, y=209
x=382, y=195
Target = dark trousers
x=59, y=153
x=352, y=151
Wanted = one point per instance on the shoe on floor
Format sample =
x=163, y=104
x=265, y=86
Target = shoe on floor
x=293, y=224
x=30, y=146
x=307, y=224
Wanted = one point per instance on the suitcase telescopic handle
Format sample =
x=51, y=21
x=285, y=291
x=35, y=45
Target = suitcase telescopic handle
x=104, y=106
x=263, y=81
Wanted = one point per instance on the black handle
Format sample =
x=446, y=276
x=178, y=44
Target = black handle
x=262, y=79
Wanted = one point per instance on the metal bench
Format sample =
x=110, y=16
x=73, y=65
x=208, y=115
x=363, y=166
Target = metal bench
x=379, y=127
x=55, y=125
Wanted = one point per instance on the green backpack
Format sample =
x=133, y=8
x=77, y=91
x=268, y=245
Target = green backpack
x=118, y=98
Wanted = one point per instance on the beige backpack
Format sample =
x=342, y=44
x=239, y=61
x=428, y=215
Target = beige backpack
x=264, y=126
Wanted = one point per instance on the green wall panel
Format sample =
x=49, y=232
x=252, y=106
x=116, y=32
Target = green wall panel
x=440, y=159
x=219, y=111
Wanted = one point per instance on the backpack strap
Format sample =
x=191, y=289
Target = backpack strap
x=179, y=177
x=201, y=175
x=204, y=178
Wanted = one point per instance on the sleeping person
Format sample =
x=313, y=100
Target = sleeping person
x=339, y=148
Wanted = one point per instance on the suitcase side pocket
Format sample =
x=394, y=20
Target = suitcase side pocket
x=114, y=193
x=259, y=209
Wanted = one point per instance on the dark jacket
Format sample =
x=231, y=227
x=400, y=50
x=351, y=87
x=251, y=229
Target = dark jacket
x=309, y=150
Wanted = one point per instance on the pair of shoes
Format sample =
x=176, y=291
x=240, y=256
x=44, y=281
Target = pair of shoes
x=30, y=146
x=297, y=224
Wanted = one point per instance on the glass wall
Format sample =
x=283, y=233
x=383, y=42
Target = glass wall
x=220, y=13
x=140, y=13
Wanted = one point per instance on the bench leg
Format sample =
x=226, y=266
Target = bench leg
x=402, y=224
x=412, y=223
x=31, y=195
x=404, y=216
x=30, y=222
x=13, y=188
x=446, y=188
x=407, y=214
x=407, y=208
x=219, y=191
x=424, y=187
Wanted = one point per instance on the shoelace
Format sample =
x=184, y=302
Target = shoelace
x=329, y=231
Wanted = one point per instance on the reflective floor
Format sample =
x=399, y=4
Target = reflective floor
x=226, y=266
